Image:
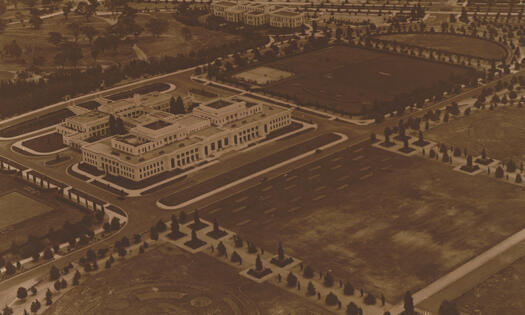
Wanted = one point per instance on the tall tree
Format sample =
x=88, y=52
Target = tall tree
x=157, y=26
x=66, y=9
x=89, y=31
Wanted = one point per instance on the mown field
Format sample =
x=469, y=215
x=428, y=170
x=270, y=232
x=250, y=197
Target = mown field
x=167, y=280
x=385, y=222
x=353, y=79
x=451, y=43
x=500, y=132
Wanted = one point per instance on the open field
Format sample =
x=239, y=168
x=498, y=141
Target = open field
x=46, y=143
x=263, y=75
x=167, y=280
x=41, y=121
x=350, y=79
x=16, y=207
x=26, y=211
x=502, y=293
x=451, y=43
x=500, y=131
x=385, y=222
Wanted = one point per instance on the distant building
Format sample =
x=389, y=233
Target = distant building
x=286, y=18
x=158, y=141
x=76, y=129
x=219, y=8
x=257, y=14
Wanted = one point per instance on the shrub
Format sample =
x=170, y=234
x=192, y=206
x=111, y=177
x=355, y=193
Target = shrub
x=348, y=289
x=331, y=299
x=310, y=289
x=308, y=272
x=518, y=178
x=54, y=273
x=352, y=309
x=370, y=299
x=291, y=280
x=499, y=172
x=21, y=293
x=328, y=280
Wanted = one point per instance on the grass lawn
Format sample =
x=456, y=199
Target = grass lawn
x=173, y=42
x=500, y=131
x=451, y=43
x=16, y=207
x=385, y=222
x=35, y=42
x=502, y=293
x=41, y=121
x=349, y=79
x=46, y=143
x=167, y=280
x=26, y=211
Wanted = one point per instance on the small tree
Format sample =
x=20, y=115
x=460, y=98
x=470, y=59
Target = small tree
x=221, y=249
x=48, y=254
x=54, y=273
x=308, y=272
x=352, y=309
x=57, y=285
x=280, y=252
x=153, y=233
x=182, y=217
x=370, y=299
x=310, y=289
x=328, y=280
x=499, y=172
x=76, y=277
x=7, y=311
x=408, y=303
x=258, y=263
x=348, y=289
x=518, y=178
x=291, y=280
x=331, y=299
x=160, y=226
x=21, y=293
x=235, y=257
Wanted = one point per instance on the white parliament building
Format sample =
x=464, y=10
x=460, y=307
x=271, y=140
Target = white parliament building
x=158, y=141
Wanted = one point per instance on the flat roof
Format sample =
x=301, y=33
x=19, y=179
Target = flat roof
x=87, y=117
x=286, y=13
x=226, y=3
x=218, y=104
x=158, y=124
x=266, y=110
x=189, y=120
x=130, y=139
x=207, y=132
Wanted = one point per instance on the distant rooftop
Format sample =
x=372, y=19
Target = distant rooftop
x=226, y=3
x=89, y=116
x=156, y=125
x=130, y=139
x=286, y=13
x=218, y=104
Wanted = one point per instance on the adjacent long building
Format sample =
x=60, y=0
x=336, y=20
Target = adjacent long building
x=159, y=141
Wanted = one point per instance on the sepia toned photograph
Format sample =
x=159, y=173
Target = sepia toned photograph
x=262, y=157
